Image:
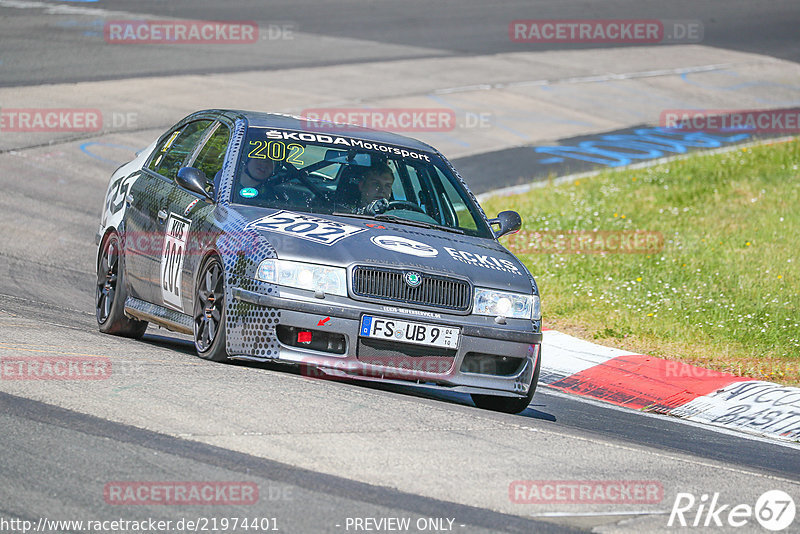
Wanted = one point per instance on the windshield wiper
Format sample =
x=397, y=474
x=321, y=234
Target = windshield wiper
x=353, y=215
x=412, y=222
x=400, y=220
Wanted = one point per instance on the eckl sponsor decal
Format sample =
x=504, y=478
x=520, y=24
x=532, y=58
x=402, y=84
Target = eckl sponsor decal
x=482, y=260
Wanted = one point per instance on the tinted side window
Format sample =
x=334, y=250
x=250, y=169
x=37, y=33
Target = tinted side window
x=212, y=155
x=453, y=204
x=171, y=154
x=400, y=188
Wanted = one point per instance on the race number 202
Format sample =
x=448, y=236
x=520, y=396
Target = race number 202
x=308, y=227
x=172, y=256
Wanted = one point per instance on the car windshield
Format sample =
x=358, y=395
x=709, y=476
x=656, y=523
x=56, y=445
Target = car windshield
x=319, y=173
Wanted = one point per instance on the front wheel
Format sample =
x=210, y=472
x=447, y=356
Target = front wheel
x=209, y=312
x=509, y=404
x=110, y=293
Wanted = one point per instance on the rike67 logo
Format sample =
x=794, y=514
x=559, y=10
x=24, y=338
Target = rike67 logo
x=774, y=510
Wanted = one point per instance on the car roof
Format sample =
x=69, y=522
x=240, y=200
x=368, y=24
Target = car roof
x=294, y=122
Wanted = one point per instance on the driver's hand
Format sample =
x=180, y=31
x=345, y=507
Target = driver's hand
x=375, y=207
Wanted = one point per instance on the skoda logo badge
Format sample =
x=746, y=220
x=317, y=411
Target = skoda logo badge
x=413, y=279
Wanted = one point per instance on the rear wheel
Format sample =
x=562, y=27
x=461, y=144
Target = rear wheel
x=110, y=293
x=509, y=404
x=209, y=312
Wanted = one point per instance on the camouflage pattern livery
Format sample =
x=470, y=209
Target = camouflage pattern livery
x=414, y=283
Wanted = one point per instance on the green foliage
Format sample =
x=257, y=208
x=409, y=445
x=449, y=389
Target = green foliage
x=728, y=278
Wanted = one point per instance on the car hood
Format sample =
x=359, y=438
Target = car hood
x=346, y=241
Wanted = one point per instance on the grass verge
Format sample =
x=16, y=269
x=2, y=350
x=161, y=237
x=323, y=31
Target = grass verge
x=722, y=293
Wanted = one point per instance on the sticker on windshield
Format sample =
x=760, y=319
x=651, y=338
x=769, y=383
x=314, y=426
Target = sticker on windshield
x=262, y=148
x=277, y=151
x=248, y=192
x=406, y=246
x=172, y=256
x=303, y=226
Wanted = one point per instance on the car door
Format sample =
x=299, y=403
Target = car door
x=148, y=199
x=189, y=227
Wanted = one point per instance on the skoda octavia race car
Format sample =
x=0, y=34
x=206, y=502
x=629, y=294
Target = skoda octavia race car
x=350, y=252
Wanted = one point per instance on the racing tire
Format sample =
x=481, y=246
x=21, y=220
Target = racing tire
x=110, y=293
x=509, y=404
x=209, y=312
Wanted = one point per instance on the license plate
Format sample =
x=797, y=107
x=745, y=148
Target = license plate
x=408, y=332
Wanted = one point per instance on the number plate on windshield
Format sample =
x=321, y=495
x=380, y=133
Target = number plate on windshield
x=302, y=226
x=408, y=332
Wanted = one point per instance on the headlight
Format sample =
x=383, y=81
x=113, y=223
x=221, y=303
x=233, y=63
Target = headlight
x=511, y=305
x=309, y=276
x=536, y=310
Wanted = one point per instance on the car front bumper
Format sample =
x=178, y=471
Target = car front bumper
x=500, y=360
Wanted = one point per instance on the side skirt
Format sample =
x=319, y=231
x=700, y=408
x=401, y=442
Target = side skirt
x=170, y=319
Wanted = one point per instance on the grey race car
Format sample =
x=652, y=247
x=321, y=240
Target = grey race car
x=351, y=252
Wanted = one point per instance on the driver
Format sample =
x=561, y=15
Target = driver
x=375, y=187
x=254, y=176
x=256, y=172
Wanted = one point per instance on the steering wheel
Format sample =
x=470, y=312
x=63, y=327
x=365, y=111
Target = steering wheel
x=302, y=177
x=404, y=205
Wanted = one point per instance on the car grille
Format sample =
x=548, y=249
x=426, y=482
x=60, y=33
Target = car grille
x=491, y=364
x=434, y=291
x=386, y=355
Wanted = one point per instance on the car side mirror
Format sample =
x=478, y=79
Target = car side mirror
x=508, y=221
x=194, y=180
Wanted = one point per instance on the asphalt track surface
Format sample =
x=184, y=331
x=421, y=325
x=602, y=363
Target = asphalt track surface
x=41, y=52
x=319, y=451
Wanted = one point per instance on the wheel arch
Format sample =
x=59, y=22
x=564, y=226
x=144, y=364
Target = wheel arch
x=107, y=232
x=204, y=257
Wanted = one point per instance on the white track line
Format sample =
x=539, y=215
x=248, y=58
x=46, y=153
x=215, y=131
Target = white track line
x=597, y=78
